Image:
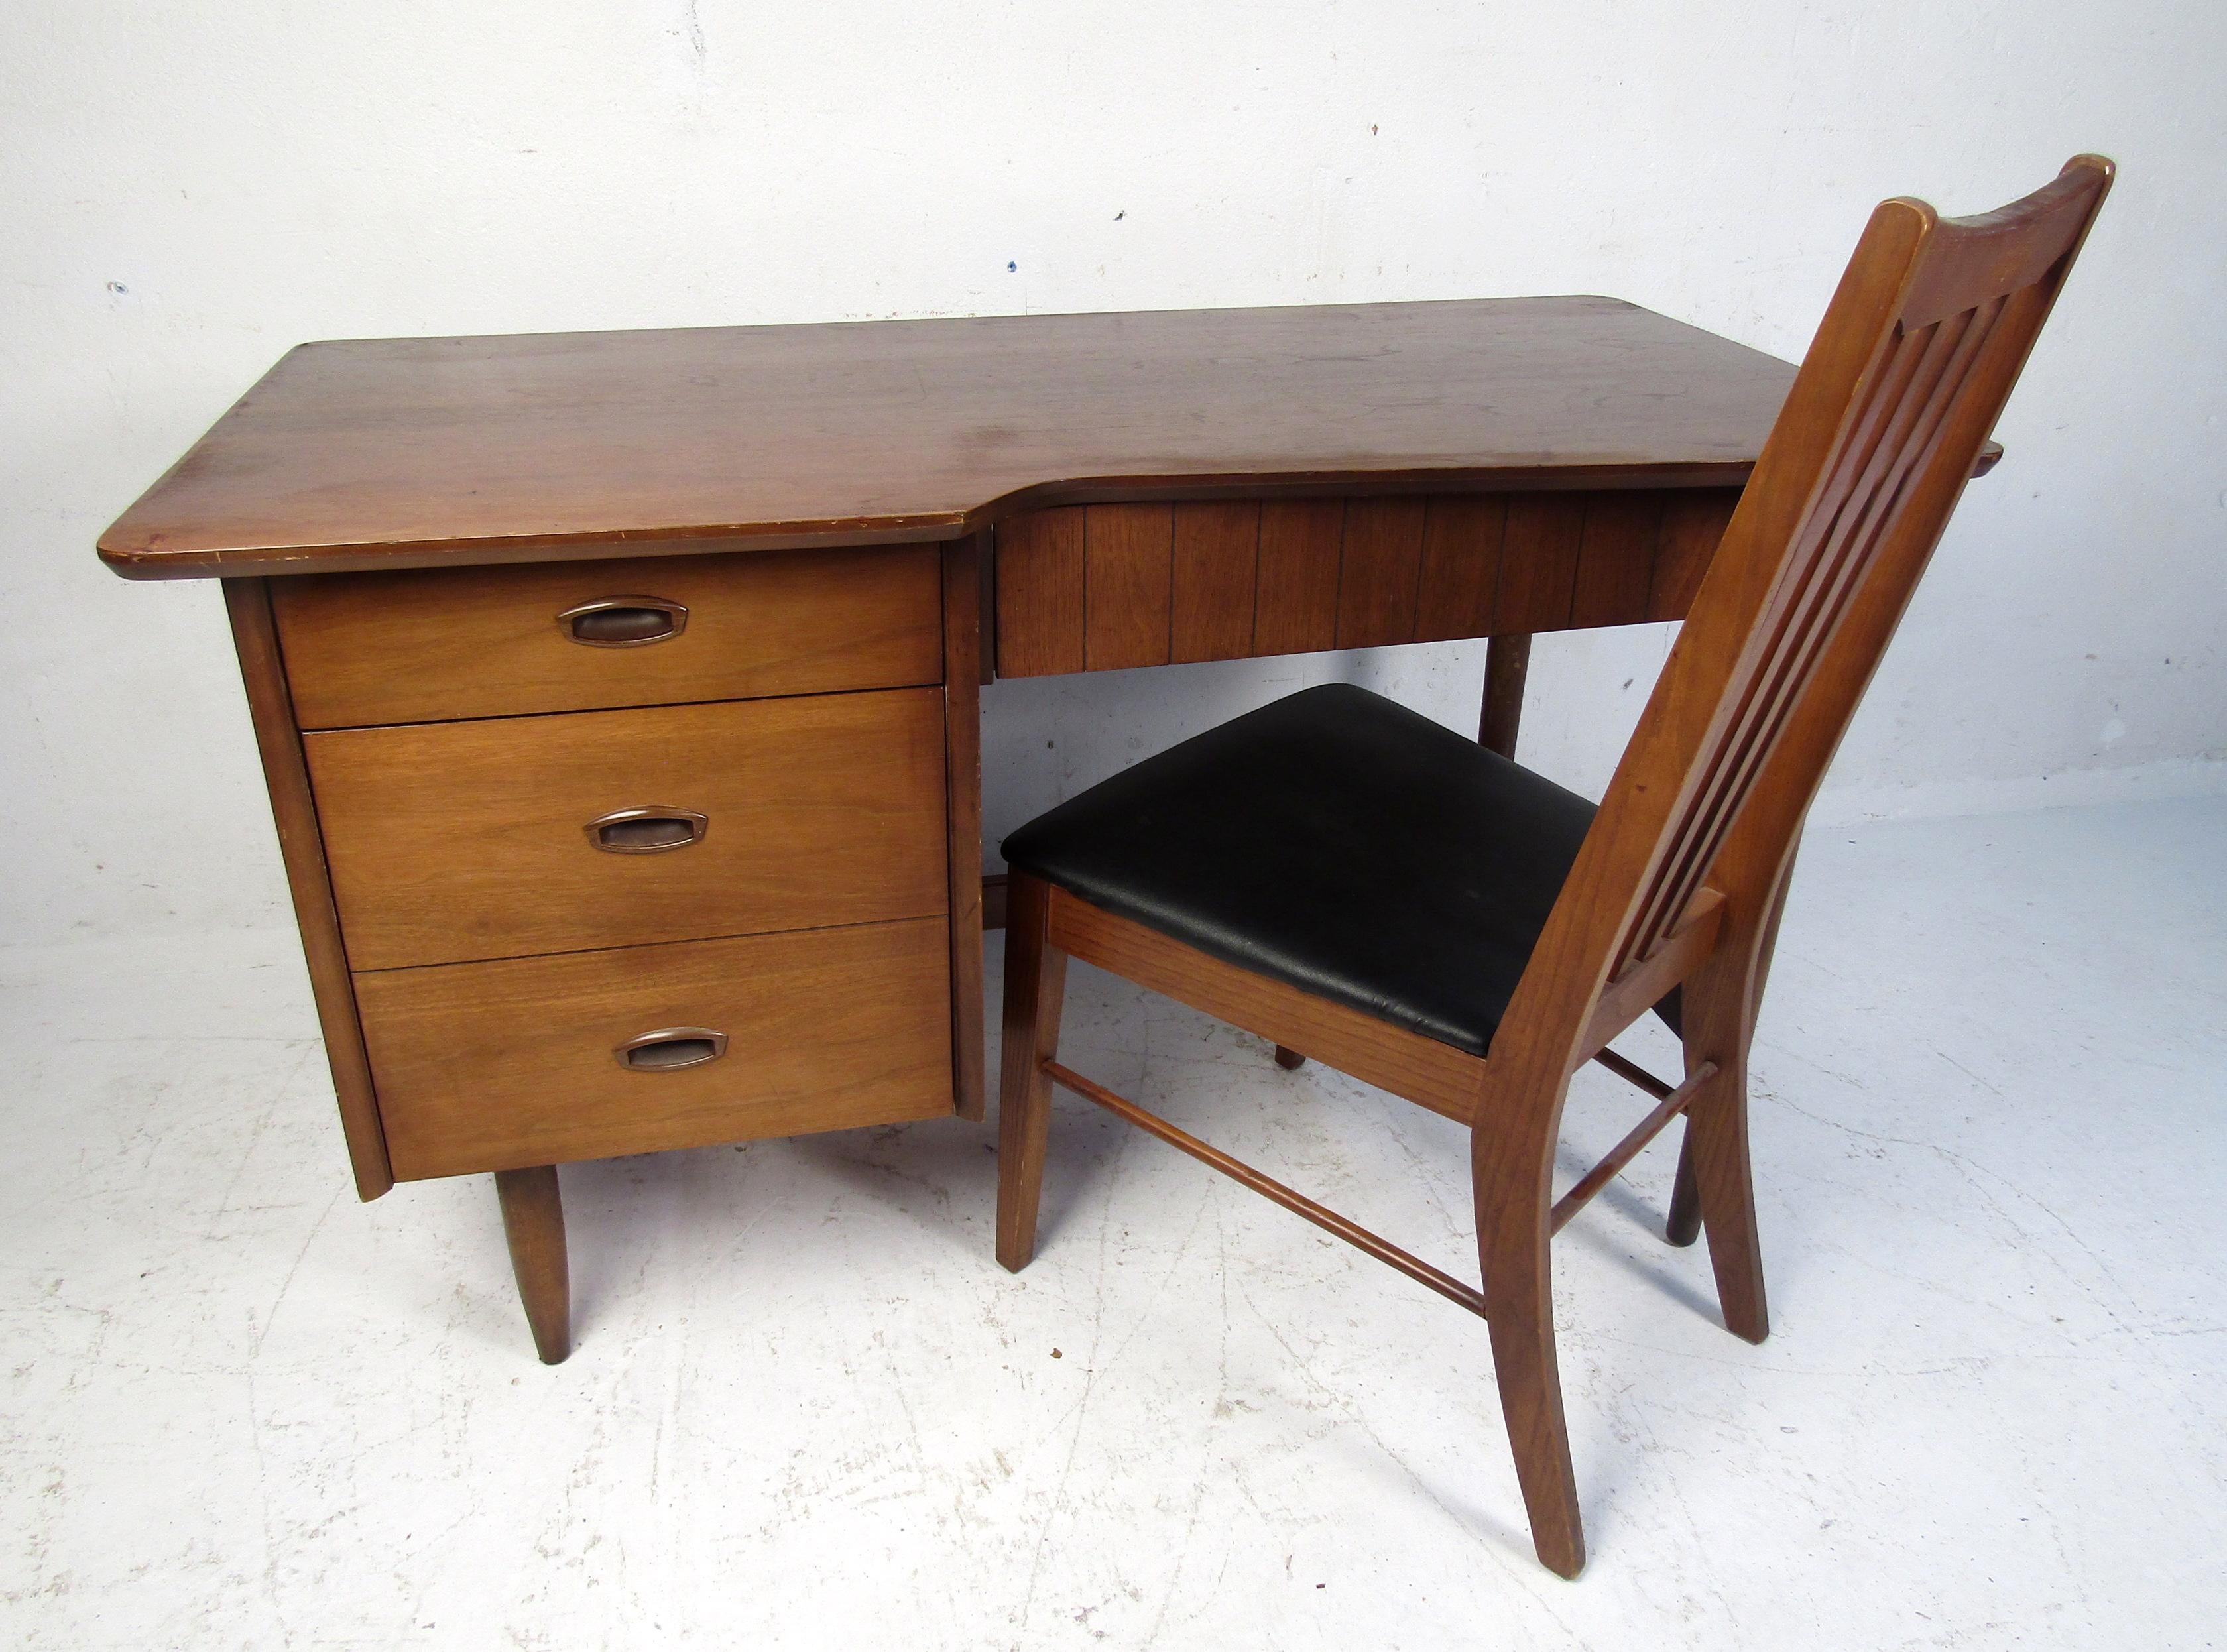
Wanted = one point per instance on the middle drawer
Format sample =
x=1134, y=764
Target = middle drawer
x=453, y=841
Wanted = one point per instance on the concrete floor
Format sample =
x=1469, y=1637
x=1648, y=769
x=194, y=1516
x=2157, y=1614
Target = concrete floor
x=807, y=1408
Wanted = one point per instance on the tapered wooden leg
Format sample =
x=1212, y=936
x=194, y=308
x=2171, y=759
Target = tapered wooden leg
x=533, y=1222
x=1290, y=1060
x=1715, y=1188
x=1685, y=1224
x=1512, y=1169
x=1036, y=983
x=1520, y=1310
x=1716, y=1133
x=1507, y=662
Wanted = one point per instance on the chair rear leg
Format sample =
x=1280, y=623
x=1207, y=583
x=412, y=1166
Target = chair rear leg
x=1684, y=1226
x=1724, y=1185
x=1035, y=985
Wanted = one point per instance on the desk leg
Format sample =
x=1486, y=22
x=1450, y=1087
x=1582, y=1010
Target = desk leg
x=533, y=1222
x=1506, y=660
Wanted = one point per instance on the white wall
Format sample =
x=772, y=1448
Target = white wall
x=187, y=189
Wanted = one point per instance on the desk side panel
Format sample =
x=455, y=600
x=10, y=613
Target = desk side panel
x=962, y=771
x=262, y=669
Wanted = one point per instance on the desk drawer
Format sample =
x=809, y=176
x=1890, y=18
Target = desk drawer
x=489, y=1067
x=427, y=647
x=453, y=841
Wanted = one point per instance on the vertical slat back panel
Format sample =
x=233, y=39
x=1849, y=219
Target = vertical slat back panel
x=1093, y=588
x=1218, y=553
x=1040, y=593
x=1461, y=566
x=1382, y=565
x=1539, y=562
x=1694, y=522
x=1128, y=578
x=1295, y=595
x=1876, y=494
x=1922, y=376
x=1616, y=558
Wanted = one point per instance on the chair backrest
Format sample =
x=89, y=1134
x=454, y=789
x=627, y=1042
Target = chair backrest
x=1916, y=356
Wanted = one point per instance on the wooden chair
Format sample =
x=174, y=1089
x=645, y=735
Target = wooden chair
x=1361, y=886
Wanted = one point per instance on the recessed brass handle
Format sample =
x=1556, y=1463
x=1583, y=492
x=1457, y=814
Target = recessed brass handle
x=624, y=621
x=646, y=831
x=670, y=1048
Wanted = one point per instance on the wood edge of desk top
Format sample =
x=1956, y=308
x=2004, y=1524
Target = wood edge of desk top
x=141, y=544
x=135, y=560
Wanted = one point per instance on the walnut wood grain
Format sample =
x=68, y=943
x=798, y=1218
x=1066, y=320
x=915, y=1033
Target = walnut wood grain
x=1039, y=593
x=407, y=452
x=466, y=642
x=1341, y=573
x=1440, y=1076
x=505, y=1065
x=1217, y=555
x=1379, y=571
x=962, y=769
x=1616, y=558
x=301, y=847
x=1128, y=560
x=1507, y=666
x=1461, y=566
x=1295, y=588
x=450, y=841
x=533, y=1226
x=1036, y=988
x=1539, y=547
x=1694, y=521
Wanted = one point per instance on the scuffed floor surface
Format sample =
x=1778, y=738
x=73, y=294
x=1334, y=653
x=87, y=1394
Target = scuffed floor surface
x=808, y=1409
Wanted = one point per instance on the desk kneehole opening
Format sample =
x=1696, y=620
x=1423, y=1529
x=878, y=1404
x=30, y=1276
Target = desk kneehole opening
x=669, y=1049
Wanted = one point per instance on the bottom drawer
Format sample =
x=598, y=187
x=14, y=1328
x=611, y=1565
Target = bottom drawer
x=495, y=1066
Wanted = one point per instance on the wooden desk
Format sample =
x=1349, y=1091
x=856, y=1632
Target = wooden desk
x=618, y=692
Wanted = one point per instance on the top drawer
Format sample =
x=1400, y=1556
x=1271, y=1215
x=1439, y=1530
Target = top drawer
x=425, y=646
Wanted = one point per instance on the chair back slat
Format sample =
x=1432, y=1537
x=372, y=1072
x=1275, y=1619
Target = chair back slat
x=1911, y=366
x=1895, y=428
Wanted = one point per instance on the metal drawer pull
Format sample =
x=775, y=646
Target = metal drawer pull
x=624, y=621
x=646, y=832
x=669, y=1048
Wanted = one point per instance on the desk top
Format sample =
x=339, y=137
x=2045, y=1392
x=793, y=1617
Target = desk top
x=417, y=452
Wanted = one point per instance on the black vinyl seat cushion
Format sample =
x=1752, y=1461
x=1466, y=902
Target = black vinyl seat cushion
x=1336, y=842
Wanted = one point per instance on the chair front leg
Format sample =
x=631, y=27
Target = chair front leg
x=1513, y=1246
x=1035, y=986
